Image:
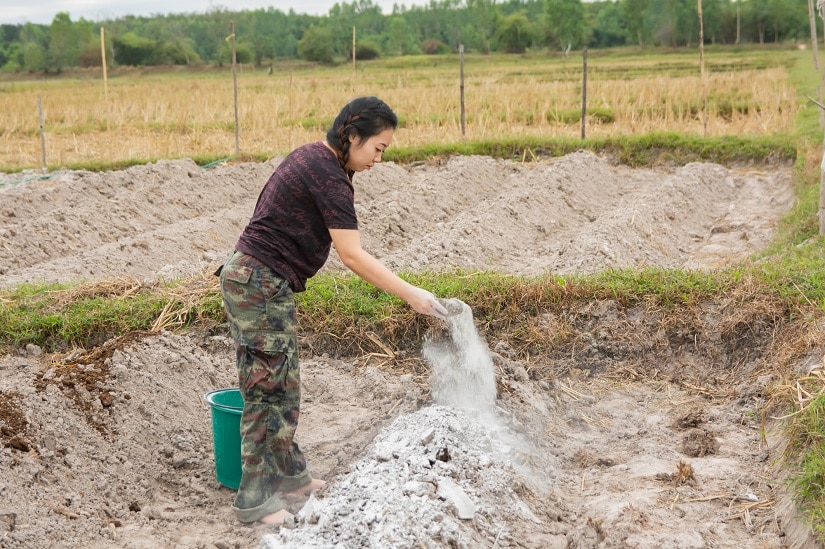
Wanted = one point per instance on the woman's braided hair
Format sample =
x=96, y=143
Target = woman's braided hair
x=363, y=117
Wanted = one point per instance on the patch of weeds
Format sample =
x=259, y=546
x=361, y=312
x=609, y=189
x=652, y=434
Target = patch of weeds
x=808, y=443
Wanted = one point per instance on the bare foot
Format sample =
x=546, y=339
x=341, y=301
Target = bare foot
x=277, y=518
x=307, y=489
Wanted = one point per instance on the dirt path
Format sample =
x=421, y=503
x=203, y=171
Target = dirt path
x=611, y=446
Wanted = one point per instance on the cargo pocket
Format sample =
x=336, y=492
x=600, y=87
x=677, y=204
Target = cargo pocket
x=275, y=350
x=237, y=273
x=280, y=310
x=269, y=377
x=244, y=303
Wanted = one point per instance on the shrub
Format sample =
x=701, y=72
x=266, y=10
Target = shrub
x=434, y=47
x=366, y=50
x=134, y=50
x=316, y=45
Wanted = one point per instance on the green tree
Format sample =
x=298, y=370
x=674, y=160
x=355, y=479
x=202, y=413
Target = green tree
x=182, y=52
x=608, y=26
x=34, y=41
x=785, y=21
x=438, y=22
x=244, y=52
x=366, y=50
x=441, y=25
x=134, y=50
x=483, y=18
x=60, y=41
x=316, y=45
x=634, y=13
x=687, y=24
x=664, y=22
x=199, y=29
x=34, y=57
x=266, y=28
x=758, y=16
x=175, y=46
x=399, y=38
x=10, y=45
x=727, y=22
x=565, y=23
x=84, y=35
x=515, y=33
x=712, y=16
x=217, y=27
x=12, y=57
x=364, y=15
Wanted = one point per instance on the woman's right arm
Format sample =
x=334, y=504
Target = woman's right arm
x=347, y=243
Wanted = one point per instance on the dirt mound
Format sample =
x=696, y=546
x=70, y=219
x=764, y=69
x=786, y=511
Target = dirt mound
x=576, y=213
x=630, y=436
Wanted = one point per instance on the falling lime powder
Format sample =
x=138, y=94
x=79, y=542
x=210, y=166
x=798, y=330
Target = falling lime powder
x=462, y=367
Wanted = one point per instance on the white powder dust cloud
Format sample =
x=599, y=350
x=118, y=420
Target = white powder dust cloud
x=463, y=378
x=462, y=367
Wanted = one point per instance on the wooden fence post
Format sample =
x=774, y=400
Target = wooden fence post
x=820, y=7
x=461, y=86
x=103, y=58
x=584, y=91
x=702, y=70
x=235, y=87
x=815, y=51
x=42, y=134
x=821, y=212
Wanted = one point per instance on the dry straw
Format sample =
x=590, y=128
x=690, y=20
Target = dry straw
x=178, y=115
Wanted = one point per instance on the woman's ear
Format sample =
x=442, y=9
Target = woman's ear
x=352, y=138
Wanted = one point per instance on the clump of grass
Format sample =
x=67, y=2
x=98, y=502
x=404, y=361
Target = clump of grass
x=58, y=317
x=633, y=150
x=601, y=115
x=807, y=452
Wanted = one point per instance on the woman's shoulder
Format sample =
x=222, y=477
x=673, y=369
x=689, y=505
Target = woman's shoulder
x=314, y=163
x=316, y=150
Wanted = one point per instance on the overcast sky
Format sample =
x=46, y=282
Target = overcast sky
x=43, y=11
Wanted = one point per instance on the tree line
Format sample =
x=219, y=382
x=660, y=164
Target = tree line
x=484, y=26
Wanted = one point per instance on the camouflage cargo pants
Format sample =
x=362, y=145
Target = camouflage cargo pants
x=260, y=308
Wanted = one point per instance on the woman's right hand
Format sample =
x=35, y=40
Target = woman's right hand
x=424, y=302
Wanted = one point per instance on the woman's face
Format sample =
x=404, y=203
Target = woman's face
x=364, y=154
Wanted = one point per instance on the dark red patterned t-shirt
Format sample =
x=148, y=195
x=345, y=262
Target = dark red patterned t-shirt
x=307, y=195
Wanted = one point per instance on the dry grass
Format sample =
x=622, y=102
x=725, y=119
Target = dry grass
x=150, y=116
x=123, y=288
x=184, y=304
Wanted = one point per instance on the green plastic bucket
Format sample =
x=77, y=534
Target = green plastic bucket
x=227, y=406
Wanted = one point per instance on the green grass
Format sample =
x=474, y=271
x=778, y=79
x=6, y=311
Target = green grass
x=57, y=316
x=633, y=150
x=807, y=434
x=39, y=314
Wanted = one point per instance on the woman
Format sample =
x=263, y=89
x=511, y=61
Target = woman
x=306, y=206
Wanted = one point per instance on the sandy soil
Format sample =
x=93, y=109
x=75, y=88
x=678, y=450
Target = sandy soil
x=626, y=444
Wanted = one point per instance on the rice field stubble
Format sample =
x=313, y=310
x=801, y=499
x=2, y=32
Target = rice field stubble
x=149, y=115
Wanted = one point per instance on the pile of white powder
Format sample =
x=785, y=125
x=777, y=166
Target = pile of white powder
x=442, y=476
